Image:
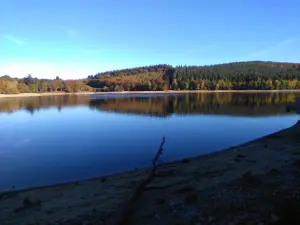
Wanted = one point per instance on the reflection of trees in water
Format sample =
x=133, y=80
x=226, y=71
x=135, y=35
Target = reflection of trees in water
x=32, y=104
x=30, y=109
x=201, y=103
x=146, y=106
x=163, y=105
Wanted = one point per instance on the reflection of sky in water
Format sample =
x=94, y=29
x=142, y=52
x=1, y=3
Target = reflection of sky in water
x=77, y=142
x=21, y=143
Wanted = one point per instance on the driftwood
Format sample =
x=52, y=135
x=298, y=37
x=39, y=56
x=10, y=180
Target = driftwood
x=127, y=211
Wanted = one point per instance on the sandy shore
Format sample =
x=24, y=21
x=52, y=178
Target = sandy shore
x=144, y=92
x=253, y=183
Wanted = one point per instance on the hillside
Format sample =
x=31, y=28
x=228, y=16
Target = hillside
x=232, y=76
x=255, y=75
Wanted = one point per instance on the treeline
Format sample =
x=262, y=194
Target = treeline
x=151, y=78
x=231, y=76
x=28, y=84
x=237, y=76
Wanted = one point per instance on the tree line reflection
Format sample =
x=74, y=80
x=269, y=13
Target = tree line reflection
x=239, y=104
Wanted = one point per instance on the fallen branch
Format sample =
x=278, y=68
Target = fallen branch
x=123, y=217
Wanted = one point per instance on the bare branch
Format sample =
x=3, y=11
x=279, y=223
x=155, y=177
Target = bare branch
x=127, y=211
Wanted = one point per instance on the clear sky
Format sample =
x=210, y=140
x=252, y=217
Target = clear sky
x=76, y=38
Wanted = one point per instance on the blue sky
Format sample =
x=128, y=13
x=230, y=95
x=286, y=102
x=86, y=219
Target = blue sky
x=75, y=38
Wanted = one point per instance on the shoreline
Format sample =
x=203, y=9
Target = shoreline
x=145, y=92
x=144, y=169
x=268, y=160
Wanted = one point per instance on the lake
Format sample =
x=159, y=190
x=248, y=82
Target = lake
x=53, y=139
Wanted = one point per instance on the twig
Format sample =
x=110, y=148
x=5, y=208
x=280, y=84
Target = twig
x=128, y=209
x=159, y=152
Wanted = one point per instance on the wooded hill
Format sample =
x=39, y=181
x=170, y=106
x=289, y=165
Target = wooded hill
x=255, y=75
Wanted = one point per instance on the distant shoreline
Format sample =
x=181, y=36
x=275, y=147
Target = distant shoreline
x=144, y=92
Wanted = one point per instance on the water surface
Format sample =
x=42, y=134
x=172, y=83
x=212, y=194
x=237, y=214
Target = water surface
x=52, y=139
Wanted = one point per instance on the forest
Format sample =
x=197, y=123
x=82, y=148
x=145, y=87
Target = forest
x=29, y=84
x=255, y=75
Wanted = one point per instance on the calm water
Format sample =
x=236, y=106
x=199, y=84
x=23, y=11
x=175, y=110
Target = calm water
x=46, y=140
